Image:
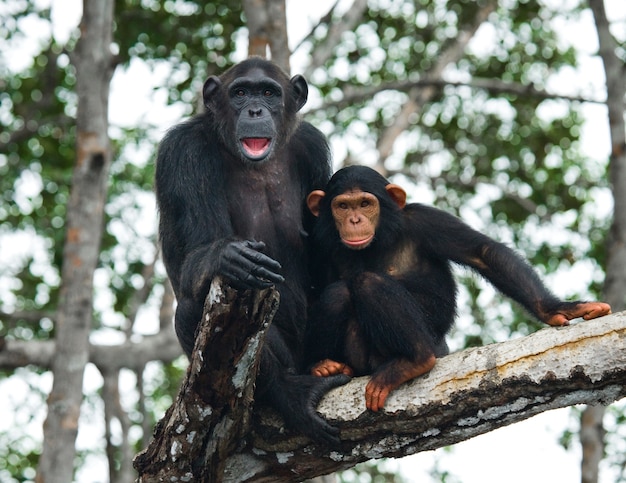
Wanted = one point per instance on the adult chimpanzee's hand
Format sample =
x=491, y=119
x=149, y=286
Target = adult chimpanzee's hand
x=243, y=264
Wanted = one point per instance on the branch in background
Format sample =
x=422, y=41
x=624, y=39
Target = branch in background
x=418, y=97
x=324, y=20
x=30, y=316
x=522, y=201
x=357, y=95
x=140, y=296
x=119, y=456
x=159, y=347
x=347, y=23
x=146, y=421
x=166, y=312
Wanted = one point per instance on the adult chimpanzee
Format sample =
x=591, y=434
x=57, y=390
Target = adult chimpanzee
x=231, y=185
x=391, y=296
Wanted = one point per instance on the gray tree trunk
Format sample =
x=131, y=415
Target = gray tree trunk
x=592, y=432
x=85, y=214
x=267, y=30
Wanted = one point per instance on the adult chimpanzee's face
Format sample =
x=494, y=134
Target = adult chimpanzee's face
x=256, y=109
x=258, y=104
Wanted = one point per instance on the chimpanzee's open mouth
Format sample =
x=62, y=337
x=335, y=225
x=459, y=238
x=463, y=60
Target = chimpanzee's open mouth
x=256, y=148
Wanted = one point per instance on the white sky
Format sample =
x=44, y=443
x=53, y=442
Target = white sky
x=522, y=453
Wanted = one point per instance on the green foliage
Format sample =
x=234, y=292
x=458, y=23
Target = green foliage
x=18, y=458
x=196, y=38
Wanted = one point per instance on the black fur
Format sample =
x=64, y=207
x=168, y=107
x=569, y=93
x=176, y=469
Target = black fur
x=224, y=211
x=397, y=297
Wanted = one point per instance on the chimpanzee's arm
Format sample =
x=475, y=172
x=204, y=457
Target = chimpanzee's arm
x=450, y=238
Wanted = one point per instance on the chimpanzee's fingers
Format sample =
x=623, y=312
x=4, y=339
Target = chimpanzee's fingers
x=247, y=267
x=596, y=309
x=243, y=278
x=375, y=396
x=261, y=265
x=558, y=320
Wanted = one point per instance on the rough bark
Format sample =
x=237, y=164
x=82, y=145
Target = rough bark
x=85, y=215
x=211, y=415
x=467, y=393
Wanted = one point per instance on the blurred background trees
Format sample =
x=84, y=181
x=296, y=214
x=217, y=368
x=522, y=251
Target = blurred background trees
x=492, y=110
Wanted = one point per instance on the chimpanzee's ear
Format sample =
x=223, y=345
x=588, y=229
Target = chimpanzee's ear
x=313, y=201
x=209, y=90
x=300, y=90
x=397, y=194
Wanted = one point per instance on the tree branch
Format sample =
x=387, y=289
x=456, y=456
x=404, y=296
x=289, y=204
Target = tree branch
x=355, y=95
x=467, y=393
x=162, y=347
x=419, y=97
x=348, y=22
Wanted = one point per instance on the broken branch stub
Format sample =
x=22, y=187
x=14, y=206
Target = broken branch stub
x=212, y=411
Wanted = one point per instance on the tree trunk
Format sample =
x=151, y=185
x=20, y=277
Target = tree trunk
x=85, y=213
x=279, y=42
x=592, y=442
x=592, y=432
x=267, y=30
x=257, y=23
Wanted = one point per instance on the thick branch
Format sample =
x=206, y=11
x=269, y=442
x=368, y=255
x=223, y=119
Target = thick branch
x=467, y=393
x=212, y=411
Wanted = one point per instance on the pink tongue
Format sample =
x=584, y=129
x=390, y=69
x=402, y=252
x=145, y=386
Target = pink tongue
x=255, y=146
